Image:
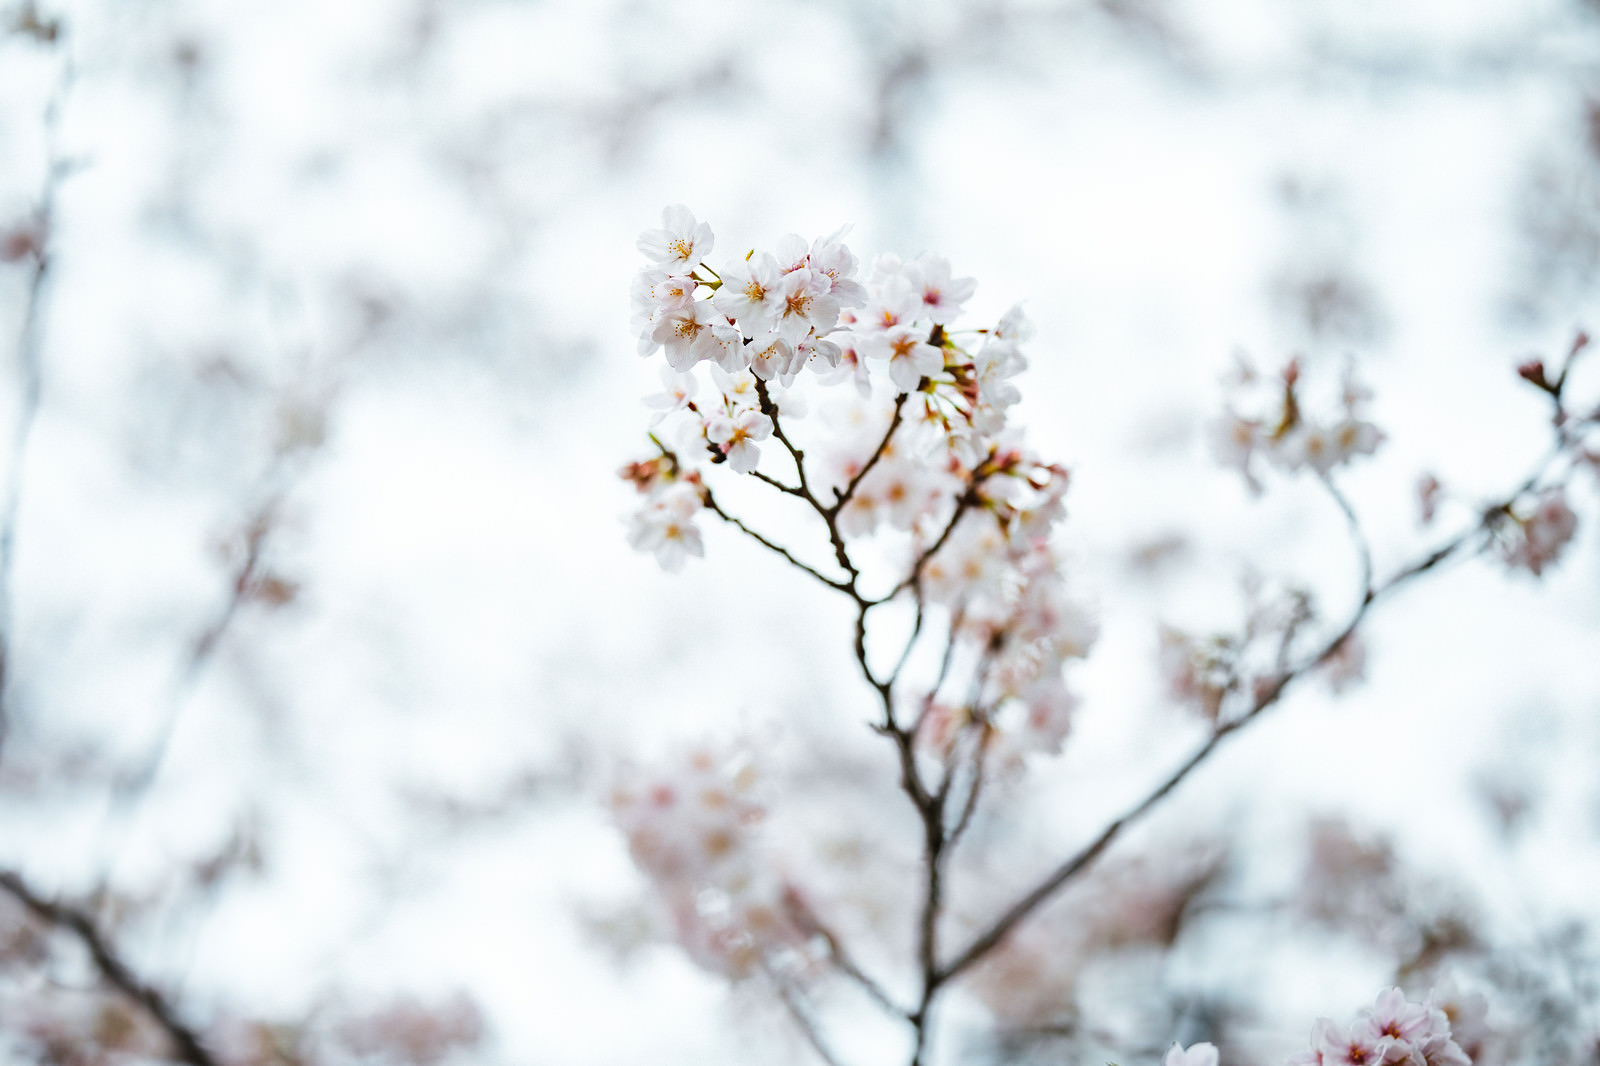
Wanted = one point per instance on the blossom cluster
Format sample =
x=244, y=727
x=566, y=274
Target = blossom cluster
x=1398, y=1030
x=1268, y=418
x=919, y=446
x=692, y=827
x=762, y=321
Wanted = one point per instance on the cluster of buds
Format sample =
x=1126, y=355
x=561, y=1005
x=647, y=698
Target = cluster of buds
x=1277, y=426
x=692, y=827
x=1397, y=1030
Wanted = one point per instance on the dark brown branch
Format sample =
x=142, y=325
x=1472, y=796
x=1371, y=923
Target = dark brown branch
x=792, y=490
x=716, y=508
x=116, y=973
x=829, y=518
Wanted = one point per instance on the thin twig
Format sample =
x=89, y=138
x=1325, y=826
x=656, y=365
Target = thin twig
x=716, y=508
x=792, y=490
x=112, y=968
x=804, y=1021
x=842, y=961
x=970, y=807
x=30, y=349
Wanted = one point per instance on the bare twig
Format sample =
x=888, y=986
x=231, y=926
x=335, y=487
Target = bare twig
x=716, y=508
x=803, y=1020
x=841, y=958
x=116, y=973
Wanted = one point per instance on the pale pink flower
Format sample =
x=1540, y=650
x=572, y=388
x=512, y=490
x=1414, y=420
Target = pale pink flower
x=806, y=306
x=751, y=293
x=736, y=437
x=773, y=357
x=831, y=258
x=680, y=244
x=1204, y=1054
x=1235, y=441
x=942, y=296
x=687, y=334
x=1395, y=1017
x=911, y=358
x=892, y=303
x=725, y=347
x=665, y=526
x=1342, y=1047
x=653, y=292
x=739, y=388
x=1539, y=539
x=680, y=388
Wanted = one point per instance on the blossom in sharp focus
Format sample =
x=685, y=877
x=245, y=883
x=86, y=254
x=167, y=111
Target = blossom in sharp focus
x=806, y=306
x=686, y=333
x=942, y=296
x=681, y=242
x=736, y=437
x=911, y=358
x=751, y=293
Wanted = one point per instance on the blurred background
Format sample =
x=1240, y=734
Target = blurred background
x=322, y=639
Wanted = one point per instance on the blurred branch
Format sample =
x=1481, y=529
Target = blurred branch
x=1265, y=698
x=30, y=343
x=116, y=973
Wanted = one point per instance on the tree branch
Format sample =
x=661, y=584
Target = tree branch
x=1265, y=698
x=116, y=973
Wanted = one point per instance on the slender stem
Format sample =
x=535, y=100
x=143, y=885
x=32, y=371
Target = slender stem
x=842, y=961
x=792, y=490
x=801, y=1014
x=970, y=807
x=716, y=508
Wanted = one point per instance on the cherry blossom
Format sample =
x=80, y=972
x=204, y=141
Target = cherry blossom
x=736, y=436
x=1194, y=1055
x=681, y=242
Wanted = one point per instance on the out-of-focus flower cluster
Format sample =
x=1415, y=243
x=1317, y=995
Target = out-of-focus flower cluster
x=692, y=824
x=1222, y=674
x=1123, y=910
x=1398, y=1030
x=1535, y=537
x=1268, y=417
